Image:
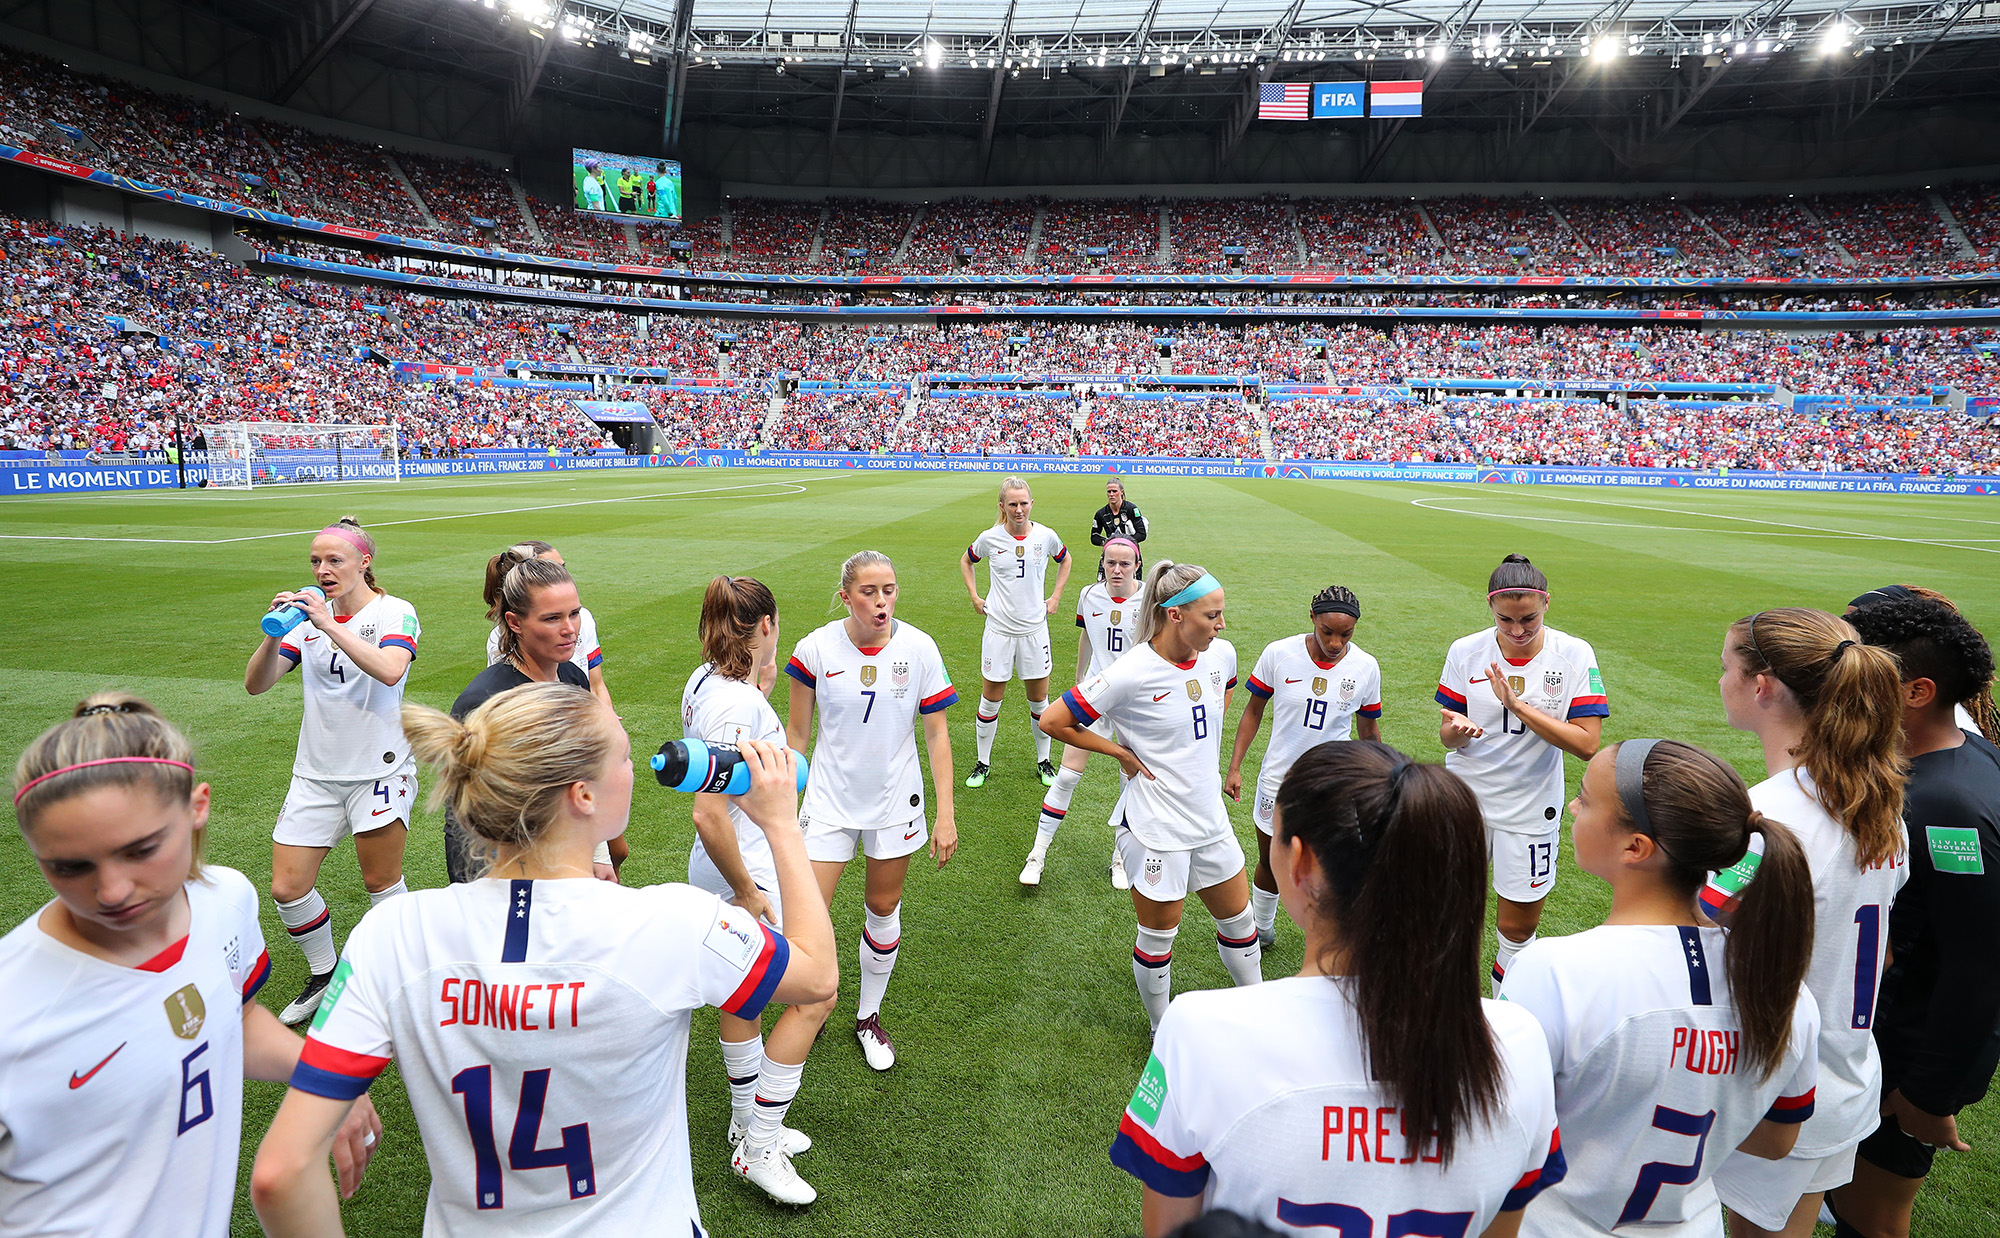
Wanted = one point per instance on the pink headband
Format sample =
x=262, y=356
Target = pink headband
x=1518, y=589
x=1123, y=541
x=345, y=535
x=32, y=783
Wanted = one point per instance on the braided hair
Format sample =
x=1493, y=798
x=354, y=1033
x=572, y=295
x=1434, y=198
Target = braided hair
x=1336, y=597
x=1931, y=640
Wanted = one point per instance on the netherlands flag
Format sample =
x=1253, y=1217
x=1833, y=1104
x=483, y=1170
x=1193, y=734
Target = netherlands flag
x=1284, y=101
x=1390, y=99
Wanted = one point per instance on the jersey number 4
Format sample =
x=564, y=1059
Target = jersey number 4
x=1347, y=1221
x=475, y=1085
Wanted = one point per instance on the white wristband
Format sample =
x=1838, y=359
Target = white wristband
x=602, y=855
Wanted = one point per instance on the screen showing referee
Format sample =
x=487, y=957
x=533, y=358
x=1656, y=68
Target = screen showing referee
x=1116, y=518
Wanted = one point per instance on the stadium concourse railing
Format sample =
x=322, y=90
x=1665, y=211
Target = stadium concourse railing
x=1305, y=279
x=32, y=474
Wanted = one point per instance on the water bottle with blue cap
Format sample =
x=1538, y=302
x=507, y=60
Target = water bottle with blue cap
x=282, y=620
x=695, y=765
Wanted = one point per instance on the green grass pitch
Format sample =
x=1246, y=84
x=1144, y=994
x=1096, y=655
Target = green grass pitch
x=1014, y=1013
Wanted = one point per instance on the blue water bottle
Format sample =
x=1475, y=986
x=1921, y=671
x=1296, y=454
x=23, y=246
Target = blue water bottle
x=290, y=615
x=694, y=765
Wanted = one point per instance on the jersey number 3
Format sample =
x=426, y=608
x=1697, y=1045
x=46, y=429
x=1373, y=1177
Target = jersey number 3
x=475, y=1085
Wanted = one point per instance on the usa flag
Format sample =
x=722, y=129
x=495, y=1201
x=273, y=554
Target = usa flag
x=1284, y=101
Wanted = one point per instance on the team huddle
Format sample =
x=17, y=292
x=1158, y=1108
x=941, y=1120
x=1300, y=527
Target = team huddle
x=1785, y=1007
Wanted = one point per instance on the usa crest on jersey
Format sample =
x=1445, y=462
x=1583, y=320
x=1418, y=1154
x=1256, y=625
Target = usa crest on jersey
x=1552, y=682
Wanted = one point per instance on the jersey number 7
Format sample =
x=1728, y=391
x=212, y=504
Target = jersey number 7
x=475, y=1085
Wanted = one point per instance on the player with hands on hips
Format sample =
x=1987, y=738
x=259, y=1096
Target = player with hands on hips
x=1016, y=640
x=724, y=703
x=1319, y=686
x=538, y=1000
x=871, y=678
x=1827, y=711
x=134, y=995
x=1108, y=614
x=353, y=773
x=1166, y=701
x=1514, y=698
x=1674, y=1043
x=1383, y=1096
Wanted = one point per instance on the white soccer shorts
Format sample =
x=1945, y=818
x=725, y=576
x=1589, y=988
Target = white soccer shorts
x=1169, y=876
x=1264, y=812
x=1524, y=865
x=1002, y=658
x=319, y=813
x=1765, y=1192
x=704, y=875
x=834, y=844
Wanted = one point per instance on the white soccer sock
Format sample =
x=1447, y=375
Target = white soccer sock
x=310, y=926
x=985, y=726
x=378, y=897
x=1236, y=940
x=1153, y=970
x=777, y=1083
x=1035, y=709
x=1504, y=957
x=1264, y=907
x=1055, y=806
x=880, y=937
x=743, y=1061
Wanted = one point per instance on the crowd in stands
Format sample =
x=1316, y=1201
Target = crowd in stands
x=991, y=425
x=837, y=420
x=702, y=417
x=1127, y=229
x=1174, y=425
x=969, y=236
x=1202, y=228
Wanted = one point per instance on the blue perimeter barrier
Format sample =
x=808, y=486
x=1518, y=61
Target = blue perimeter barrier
x=29, y=476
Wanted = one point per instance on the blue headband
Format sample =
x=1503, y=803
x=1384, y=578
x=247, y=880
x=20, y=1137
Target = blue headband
x=1204, y=585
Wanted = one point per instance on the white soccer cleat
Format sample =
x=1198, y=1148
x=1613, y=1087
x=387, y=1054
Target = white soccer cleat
x=1266, y=938
x=1031, y=872
x=875, y=1043
x=792, y=1141
x=306, y=1004
x=1119, y=879
x=772, y=1173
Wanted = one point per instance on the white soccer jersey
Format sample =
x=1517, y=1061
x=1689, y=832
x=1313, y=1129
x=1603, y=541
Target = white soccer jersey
x=541, y=1028
x=1310, y=701
x=587, y=655
x=1850, y=944
x=1651, y=1083
x=1517, y=775
x=121, y=1088
x=729, y=711
x=864, y=773
x=1298, y=1135
x=353, y=725
x=1015, y=602
x=1109, y=623
x=1170, y=715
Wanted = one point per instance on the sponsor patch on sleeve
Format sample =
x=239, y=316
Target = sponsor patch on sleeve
x=334, y=988
x=734, y=938
x=1151, y=1092
x=1596, y=682
x=1955, y=849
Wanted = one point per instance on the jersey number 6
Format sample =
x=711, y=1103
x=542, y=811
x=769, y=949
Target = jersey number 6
x=475, y=1084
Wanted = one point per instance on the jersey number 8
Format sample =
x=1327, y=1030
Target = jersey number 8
x=1201, y=722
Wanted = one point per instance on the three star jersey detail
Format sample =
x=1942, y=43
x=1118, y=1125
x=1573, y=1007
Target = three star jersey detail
x=864, y=772
x=718, y=709
x=122, y=1103
x=1170, y=715
x=1650, y=1071
x=1517, y=775
x=551, y=1009
x=1016, y=604
x=353, y=724
x=1302, y=1136
x=1113, y=623
x=588, y=654
x=1311, y=701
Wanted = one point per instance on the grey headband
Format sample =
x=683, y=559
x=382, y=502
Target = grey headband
x=1631, y=771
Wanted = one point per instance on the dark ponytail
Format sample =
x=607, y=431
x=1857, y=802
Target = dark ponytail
x=1391, y=834
x=1700, y=817
x=730, y=611
x=1516, y=575
x=1931, y=640
x=499, y=565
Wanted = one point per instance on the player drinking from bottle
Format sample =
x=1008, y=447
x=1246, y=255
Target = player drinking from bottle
x=353, y=773
x=871, y=678
x=1383, y=1096
x=1321, y=686
x=1166, y=702
x=1516, y=697
x=132, y=990
x=1828, y=712
x=540, y=1018
x=1016, y=640
x=1108, y=613
x=1673, y=1042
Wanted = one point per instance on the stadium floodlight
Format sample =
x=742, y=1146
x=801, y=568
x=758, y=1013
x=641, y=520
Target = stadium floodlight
x=1606, y=50
x=934, y=53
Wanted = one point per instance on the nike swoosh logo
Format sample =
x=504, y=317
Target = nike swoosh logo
x=379, y=811
x=907, y=837
x=1162, y=696
x=1475, y=681
x=1097, y=614
x=831, y=674
x=1536, y=885
x=1291, y=681
x=76, y=1081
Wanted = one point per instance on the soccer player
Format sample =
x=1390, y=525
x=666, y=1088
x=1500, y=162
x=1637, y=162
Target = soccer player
x=540, y=1018
x=722, y=703
x=1940, y=999
x=590, y=190
x=1977, y=713
x=1828, y=712
x=871, y=678
x=353, y=773
x=1323, y=687
x=1673, y=1042
x=1514, y=699
x=1112, y=607
x=1166, y=702
x=1116, y=518
x=134, y=1022
x=1370, y=1104
x=1016, y=641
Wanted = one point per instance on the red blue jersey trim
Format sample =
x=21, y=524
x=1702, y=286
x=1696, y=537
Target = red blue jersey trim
x=797, y=670
x=1370, y=711
x=1554, y=1169
x=396, y=640
x=1259, y=688
x=595, y=659
x=1449, y=699
x=1079, y=707
x=1137, y=1153
x=335, y=1073
x=258, y=975
x=750, y=997
x=1791, y=1110
x=938, y=700
x=1589, y=707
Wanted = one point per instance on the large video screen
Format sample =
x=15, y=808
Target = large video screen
x=629, y=187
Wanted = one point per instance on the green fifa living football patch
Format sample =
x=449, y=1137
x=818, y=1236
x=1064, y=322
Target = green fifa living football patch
x=1955, y=849
x=334, y=988
x=1151, y=1092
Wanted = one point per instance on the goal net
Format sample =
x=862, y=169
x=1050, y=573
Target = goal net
x=246, y=454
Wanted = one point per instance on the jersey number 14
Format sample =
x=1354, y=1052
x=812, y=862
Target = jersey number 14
x=475, y=1085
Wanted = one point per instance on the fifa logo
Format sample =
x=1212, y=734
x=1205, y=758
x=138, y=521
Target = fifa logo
x=1020, y=552
x=1319, y=685
x=868, y=676
x=185, y=1011
x=1117, y=618
x=1518, y=683
x=1194, y=689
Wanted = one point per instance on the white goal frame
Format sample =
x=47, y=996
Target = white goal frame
x=246, y=455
